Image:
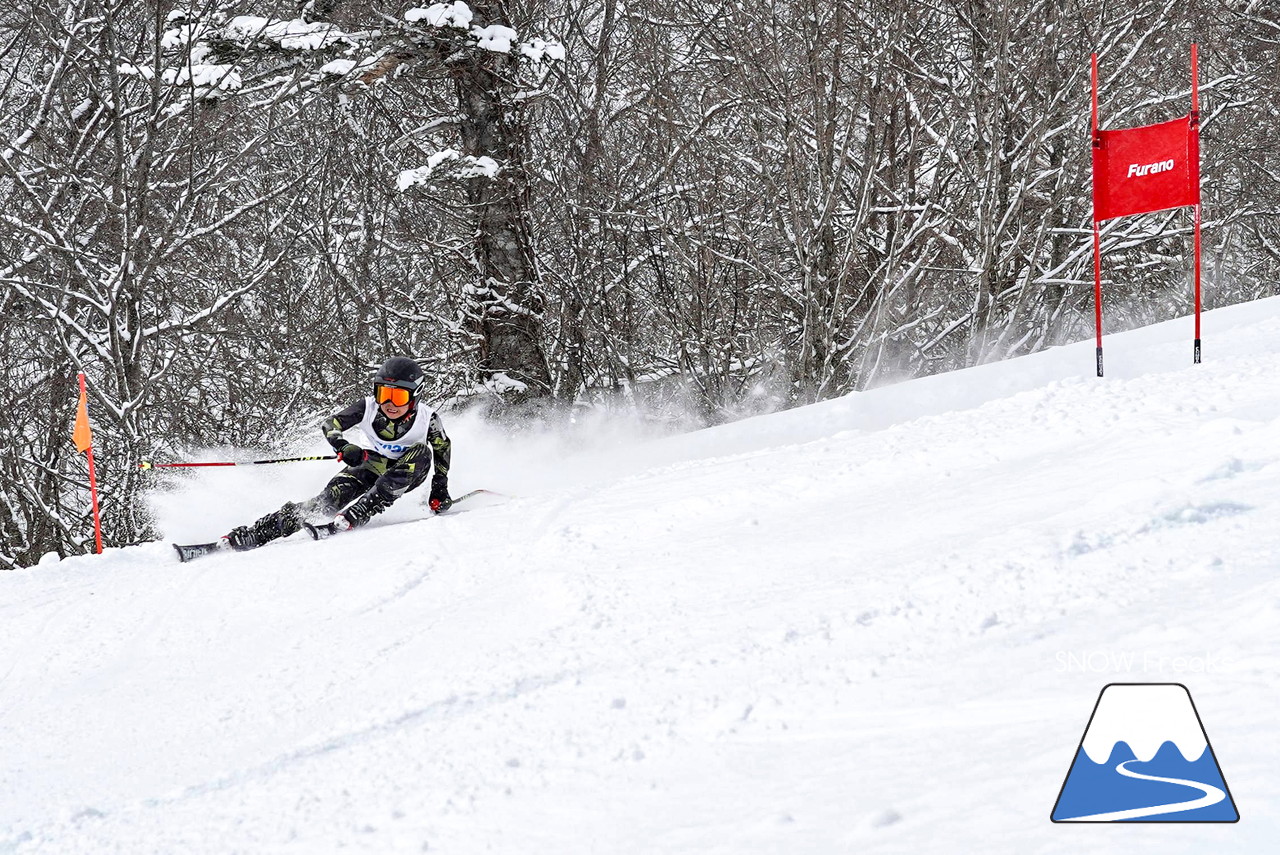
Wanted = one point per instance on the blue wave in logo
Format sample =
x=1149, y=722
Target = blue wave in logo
x=1122, y=789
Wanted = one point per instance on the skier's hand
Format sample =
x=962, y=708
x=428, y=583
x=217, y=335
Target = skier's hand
x=439, y=501
x=353, y=455
x=335, y=439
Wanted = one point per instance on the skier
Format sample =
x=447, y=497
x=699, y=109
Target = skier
x=406, y=439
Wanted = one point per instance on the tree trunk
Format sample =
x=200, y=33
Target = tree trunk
x=505, y=306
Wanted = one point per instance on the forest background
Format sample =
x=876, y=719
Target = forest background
x=227, y=214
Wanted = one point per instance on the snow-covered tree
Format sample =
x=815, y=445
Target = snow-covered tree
x=131, y=221
x=474, y=72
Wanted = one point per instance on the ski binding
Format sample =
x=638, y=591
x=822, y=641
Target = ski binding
x=320, y=531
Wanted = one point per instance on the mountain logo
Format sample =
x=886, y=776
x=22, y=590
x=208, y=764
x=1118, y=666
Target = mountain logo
x=1144, y=757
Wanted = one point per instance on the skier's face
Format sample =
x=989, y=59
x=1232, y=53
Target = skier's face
x=395, y=401
x=391, y=411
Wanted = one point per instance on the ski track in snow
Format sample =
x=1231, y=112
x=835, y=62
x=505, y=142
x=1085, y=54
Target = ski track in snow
x=839, y=628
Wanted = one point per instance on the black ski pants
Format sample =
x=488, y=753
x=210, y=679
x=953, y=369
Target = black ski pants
x=368, y=489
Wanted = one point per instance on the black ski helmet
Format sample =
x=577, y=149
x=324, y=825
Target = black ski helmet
x=403, y=373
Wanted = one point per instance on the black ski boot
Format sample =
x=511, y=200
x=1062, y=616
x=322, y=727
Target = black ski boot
x=242, y=537
x=366, y=508
x=357, y=514
x=281, y=523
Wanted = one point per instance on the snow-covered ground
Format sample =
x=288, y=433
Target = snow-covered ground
x=878, y=624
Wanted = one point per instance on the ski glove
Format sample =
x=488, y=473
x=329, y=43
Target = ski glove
x=439, y=501
x=353, y=455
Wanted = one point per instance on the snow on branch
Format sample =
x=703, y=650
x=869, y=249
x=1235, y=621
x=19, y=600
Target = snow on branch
x=130, y=70
x=206, y=44
x=500, y=383
x=449, y=163
x=442, y=15
x=208, y=80
x=346, y=67
x=186, y=34
x=287, y=35
x=540, y=50
x=495, y=37
x=211, y=49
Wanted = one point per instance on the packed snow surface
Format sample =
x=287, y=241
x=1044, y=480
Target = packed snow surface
x=878, y=624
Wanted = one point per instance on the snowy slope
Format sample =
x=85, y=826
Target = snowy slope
x=874, y=625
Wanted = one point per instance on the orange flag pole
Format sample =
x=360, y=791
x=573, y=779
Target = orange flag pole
x=84, y=442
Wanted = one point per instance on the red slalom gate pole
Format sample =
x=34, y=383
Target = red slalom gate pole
x=93, y=493
x=1097, y=240
x=1194, y=145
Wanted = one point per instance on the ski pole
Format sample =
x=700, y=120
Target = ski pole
x=147, y=464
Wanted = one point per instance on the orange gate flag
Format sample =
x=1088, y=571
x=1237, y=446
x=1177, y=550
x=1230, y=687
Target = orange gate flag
x=1139, y=170
x=82, y=435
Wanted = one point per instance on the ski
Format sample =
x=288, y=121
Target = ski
x=426, y=502
x=317, y=531
x=320, y=531
x=192, y=551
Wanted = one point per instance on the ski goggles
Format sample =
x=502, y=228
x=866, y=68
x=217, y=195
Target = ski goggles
x=397, y=395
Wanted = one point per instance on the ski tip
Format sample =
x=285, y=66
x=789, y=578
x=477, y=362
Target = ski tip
x=311, y=530
x=472, y=494
x=190, y=552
